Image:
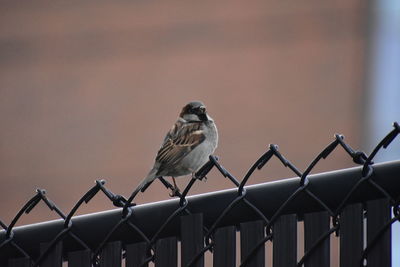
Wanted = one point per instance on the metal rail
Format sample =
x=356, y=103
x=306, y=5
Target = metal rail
x=330, y=187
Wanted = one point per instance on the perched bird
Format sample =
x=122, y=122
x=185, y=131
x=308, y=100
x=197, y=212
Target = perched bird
x=186, y=147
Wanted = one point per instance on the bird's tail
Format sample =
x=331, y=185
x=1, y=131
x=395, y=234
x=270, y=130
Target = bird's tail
x=146, y=182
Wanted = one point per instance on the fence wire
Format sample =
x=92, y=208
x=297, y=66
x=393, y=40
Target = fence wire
x=358, y=157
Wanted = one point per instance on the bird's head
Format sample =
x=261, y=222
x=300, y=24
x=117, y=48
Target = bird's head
x=194, y=111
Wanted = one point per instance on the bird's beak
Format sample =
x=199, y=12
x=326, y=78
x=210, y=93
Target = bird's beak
x=202, y=109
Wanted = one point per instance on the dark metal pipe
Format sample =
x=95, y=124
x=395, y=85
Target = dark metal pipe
x=330, y=187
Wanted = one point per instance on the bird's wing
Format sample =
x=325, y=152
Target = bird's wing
x=180, y=140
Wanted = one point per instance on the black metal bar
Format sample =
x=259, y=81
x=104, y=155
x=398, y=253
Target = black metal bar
x=250, y=234
x=315, y=225
x=166, y=252
x=351, y=235
x=54, y=258
x=111, y=255
x=225, y=247
x=331, y=187
x=192, y=239
x=19, y=262
x=378, y=214
x=80, y=258
x=136, y=254
x=285, y=241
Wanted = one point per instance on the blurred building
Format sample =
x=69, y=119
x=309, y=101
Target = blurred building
x=89, y=90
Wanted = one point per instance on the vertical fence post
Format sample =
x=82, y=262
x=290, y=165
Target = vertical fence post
x=80, y=258
x=315, y=225
x=136, y=254
x=54, y=258
x=378, y=214
x=20, y=262
x=166, y=252
x=351, y=235
x=225, y=247
x=250, y=234
x=192, y=238
x=110, y=255
x=285, y=241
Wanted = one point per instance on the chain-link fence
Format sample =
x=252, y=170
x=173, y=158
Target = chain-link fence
x=358, y=205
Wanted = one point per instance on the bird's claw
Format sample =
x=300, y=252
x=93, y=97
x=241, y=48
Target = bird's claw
x=174, y=192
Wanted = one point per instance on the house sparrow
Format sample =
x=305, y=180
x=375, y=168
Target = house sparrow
x=186, y=147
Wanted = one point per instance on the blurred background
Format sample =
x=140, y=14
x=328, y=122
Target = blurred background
x=89, y=89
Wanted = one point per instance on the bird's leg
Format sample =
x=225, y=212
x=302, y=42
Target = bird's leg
x=175, y=190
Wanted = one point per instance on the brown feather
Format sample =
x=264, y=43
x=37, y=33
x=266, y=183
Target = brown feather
x=180, y=140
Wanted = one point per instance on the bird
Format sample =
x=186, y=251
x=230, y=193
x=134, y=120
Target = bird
x=186, y=147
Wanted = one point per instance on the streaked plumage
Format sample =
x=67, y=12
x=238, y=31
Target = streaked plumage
x=186, y=147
